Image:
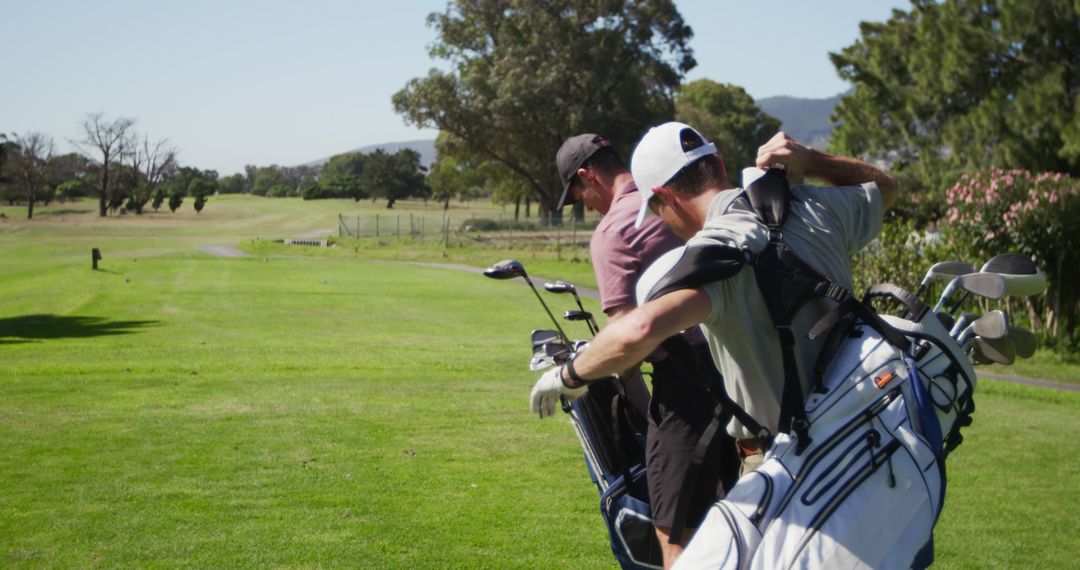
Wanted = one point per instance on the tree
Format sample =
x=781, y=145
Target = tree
x=957, y=85
x=29, y=166
x=526, y=74
x=340, y=176
x=73, y=175
x=393, y=176
x=151, y=164
x=728, y=116
x=175, y=199
x=201, y=189
x=266, y=177
x=232, y=184
x=106, y=138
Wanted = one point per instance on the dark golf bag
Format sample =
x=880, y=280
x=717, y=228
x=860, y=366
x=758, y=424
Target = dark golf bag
x=609, y=423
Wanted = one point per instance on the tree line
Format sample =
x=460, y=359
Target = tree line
x=130, y=172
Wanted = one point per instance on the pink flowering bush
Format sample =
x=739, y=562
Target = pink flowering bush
x=997, y=211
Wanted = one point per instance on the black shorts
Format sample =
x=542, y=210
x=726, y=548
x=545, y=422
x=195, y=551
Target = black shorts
x=679, y=412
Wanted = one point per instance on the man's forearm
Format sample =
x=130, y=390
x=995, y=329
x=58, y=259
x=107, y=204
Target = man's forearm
x=633, y=336
x=846, y=171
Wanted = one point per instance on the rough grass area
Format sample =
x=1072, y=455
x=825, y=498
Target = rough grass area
x=176, y=409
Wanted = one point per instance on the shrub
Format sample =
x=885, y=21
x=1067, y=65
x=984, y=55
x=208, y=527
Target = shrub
x=996, y=211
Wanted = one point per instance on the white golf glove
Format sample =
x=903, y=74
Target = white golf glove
x=546, y=392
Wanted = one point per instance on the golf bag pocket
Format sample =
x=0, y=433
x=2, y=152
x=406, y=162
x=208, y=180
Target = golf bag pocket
x=628, y=516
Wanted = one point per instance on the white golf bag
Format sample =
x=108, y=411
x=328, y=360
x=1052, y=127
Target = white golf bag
x=868, y=489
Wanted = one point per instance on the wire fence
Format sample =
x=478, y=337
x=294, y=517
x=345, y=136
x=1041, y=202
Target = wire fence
x=464, y=228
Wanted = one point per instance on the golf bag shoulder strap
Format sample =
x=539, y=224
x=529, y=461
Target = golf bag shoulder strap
x=700, y=264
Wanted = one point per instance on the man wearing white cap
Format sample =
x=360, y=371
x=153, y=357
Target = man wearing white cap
x=683, y=180
x=593, y=172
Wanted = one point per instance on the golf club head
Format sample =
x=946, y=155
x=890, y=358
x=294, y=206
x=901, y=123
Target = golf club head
x=540, y=337
x=998, y=351
x=988, y=285
x=992, y=325
x=560, y=287
x=1024, y=341
x=946, y=271
x=1022, y=276
x=575, y=315
x=506, y=269
x=579, y=345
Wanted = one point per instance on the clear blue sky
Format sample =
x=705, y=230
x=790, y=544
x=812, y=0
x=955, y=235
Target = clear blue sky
x=273, y=82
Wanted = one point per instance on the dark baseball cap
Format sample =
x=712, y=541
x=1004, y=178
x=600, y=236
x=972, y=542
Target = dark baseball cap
x=572, y=154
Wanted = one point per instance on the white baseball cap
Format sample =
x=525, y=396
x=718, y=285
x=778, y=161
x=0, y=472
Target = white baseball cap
x=661, y=154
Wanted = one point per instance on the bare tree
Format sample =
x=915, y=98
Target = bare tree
x=29, y=166
x=151, y=162
x=104, y=138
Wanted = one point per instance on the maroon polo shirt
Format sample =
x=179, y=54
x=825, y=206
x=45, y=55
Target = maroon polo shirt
x=621, y=253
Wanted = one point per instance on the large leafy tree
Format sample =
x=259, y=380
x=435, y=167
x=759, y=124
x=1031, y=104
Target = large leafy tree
x=526, y=74
x=728, y=116
x=956, y=85
x=340, y=176
x=393, y=176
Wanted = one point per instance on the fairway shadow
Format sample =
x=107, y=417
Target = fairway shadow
x=29, y=327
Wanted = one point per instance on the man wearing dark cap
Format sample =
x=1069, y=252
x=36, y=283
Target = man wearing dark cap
x=593, y=172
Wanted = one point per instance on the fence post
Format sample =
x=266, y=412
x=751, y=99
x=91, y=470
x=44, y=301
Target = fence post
x=376, y=225
x=399, y=227
x=558, y=244
x=573, y=235
x=358, y=226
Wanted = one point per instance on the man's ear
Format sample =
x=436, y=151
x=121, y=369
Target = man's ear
x=586, y=174
x=665, y=195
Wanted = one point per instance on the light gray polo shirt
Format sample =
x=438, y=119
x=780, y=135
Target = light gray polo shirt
x=825, y=226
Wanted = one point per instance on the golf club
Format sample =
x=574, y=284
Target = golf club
x=999, y=351
x=1024, y=340
x=511, y=268
x=944, y=271
x=991, y=326
x=1022, y=277
x=561, y=287
x=989, y=285
x=586, y=316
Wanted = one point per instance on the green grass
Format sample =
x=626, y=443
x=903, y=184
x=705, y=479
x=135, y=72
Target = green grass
x=288, y=410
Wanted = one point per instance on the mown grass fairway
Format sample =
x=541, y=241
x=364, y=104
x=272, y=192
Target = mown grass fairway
x=177, y=409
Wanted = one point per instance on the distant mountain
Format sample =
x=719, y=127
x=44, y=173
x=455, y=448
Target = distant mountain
x=425, y=148
x=806, y=120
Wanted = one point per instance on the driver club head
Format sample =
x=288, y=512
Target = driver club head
x=1022, y=277
x=506, y=269
x=560, y=287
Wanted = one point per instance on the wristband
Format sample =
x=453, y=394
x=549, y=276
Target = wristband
x=576, y=381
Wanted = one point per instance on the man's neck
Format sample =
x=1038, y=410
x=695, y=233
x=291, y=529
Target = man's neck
x=621, y=181
x=698, y=206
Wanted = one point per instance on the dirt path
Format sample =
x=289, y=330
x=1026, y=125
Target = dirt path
x=223, y=250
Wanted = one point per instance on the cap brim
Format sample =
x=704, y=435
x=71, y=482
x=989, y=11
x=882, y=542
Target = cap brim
x=642, y=214
x=568, y=198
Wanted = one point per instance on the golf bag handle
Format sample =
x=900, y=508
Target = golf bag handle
x=913, y=304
